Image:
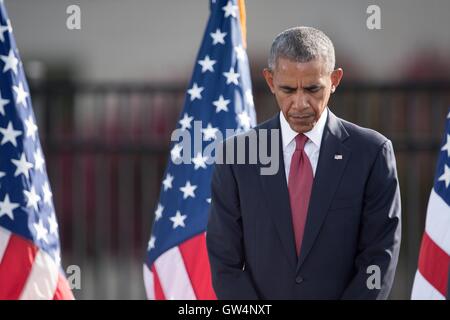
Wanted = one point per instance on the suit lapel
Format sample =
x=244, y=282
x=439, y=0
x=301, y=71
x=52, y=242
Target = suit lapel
x=328, y=175
x=276, y=192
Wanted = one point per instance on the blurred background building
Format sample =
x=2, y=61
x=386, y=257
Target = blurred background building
x=107, y=98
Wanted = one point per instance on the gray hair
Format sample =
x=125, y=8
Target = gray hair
x=302, y=44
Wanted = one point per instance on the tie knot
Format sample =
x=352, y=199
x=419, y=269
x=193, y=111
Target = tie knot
x=300, y=141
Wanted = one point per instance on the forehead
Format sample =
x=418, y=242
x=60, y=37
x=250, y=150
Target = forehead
x=288, y=70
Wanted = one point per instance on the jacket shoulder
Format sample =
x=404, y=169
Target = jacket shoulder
x=366, y=137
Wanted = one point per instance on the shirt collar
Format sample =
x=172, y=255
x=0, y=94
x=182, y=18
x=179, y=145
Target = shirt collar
x=315, y=134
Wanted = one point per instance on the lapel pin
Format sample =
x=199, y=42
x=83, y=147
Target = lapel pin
x=338, y=157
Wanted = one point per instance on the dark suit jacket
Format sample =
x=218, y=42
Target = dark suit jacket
x=353, y=223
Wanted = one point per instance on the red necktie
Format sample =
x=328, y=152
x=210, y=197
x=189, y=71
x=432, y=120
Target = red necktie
x=299, y=185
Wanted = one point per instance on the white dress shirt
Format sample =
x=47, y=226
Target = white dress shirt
x=312, y=146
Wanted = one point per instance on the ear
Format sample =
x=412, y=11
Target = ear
x=336, y=76
x=268, y=75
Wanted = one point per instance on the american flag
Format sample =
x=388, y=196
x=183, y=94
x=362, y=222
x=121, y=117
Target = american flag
x=30, y=264
x=220, y=96
x=432, y=277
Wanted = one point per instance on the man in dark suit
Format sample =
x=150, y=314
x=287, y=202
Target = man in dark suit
x=326, y=225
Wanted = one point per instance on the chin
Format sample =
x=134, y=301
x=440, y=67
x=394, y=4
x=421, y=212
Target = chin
x=301, y=128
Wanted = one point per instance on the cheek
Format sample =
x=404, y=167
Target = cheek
x=319, y=102
x=283, y=102
x=318, y=97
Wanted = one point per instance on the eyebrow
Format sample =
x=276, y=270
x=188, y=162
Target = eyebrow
x=286, y=87
x=310, y=87
x=313, y=86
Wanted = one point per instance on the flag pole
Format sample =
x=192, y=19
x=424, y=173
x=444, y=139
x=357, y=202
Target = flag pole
x=243, y=19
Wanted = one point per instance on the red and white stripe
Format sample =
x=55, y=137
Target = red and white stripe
x=431, y=278
x=27, y=273
x=181, y=273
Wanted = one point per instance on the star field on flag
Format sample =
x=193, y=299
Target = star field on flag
x=219, y=95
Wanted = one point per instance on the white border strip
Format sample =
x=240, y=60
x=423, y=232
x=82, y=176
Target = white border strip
x=42, y=280
x=423, y=290
x=149, y=283
x=4, y=240
x=173, y=276
x=438, y=221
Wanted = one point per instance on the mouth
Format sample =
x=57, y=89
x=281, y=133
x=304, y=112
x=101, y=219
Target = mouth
x=306, y=116
x=302, y=118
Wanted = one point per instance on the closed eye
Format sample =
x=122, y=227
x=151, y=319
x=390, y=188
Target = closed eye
x=287, y=89
x=313, y=89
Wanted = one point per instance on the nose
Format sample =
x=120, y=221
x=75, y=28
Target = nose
x=300, y=100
